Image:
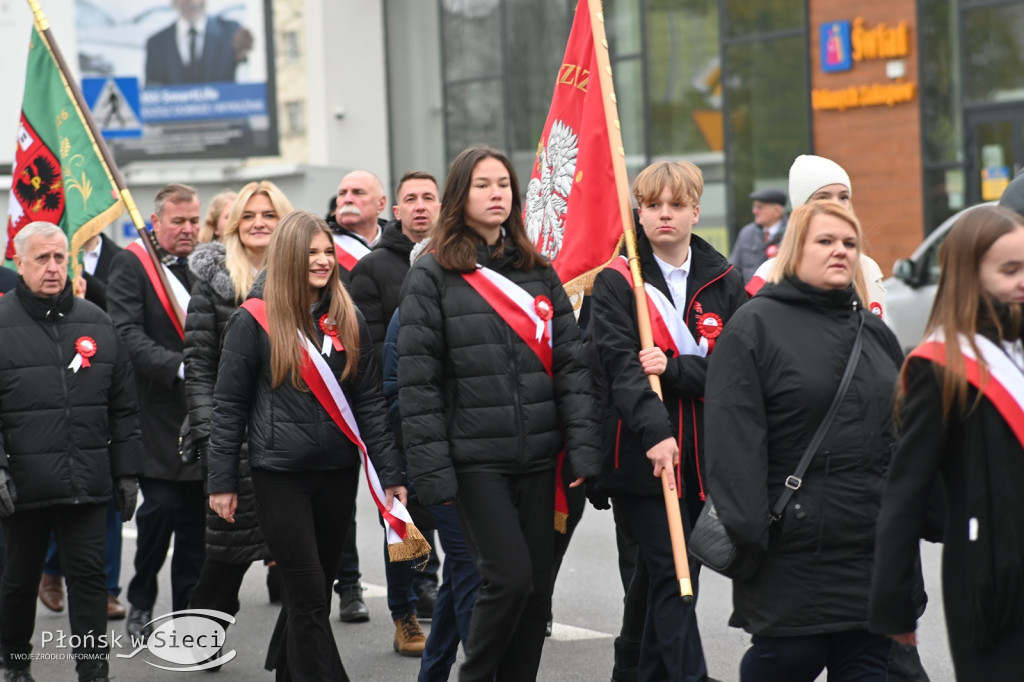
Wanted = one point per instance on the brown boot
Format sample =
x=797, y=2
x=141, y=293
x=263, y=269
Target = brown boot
x=409, y=637
x=51, y=592
x=115, y=610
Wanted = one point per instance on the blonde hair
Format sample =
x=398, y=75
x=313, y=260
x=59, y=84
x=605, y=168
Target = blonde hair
x=208, y=232
x=237, y=256
x=682, y=177
x=288, y=300
x=792, y=247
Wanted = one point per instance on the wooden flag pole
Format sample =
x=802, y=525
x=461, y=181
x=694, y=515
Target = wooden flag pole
x=675, y=520
x=148, y=240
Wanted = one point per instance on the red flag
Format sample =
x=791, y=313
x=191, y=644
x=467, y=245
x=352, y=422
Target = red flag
x=572, y=207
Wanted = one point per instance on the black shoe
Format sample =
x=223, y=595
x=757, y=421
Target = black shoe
x=351, y=607
x=274, y=583
x=138, y=626
x=426, y=594
x=23, y=675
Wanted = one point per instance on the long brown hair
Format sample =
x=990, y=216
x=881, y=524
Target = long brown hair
x=960, y=302
x=453, y=242
x=237, y=259
x=792, y=247
x=288, y=299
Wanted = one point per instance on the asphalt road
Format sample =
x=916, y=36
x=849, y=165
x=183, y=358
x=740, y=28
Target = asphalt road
x=587, y=611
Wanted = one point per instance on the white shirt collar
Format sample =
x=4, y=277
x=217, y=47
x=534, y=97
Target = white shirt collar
x=667, y=269
x=774, y=229
x=91, y=258
x=181, y=29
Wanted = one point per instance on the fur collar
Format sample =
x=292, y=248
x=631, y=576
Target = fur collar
x=207, y=262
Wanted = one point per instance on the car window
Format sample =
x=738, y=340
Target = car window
x=930, y=271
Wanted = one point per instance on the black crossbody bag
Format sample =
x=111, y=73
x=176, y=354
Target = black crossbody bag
x=712, y=546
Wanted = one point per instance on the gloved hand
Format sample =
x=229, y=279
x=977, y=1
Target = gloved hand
x=126, y=495
x=8, y=496
x=597, y=494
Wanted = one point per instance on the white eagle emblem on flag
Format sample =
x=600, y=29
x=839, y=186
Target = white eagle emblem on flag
x=547, y=197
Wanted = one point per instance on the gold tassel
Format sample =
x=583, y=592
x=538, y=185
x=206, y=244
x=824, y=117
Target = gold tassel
x=561, y=522
x=413, y=546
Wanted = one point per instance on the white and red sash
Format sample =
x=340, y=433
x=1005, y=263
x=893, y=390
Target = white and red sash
x=518, y=308
x=178, y=289
x=1004, y=385
x=321, y=382
x=349, y=250
x=670, y=332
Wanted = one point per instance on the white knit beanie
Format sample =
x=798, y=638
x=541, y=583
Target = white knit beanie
x=810, y=173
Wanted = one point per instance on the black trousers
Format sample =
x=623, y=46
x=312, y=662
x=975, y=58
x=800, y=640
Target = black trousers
x=507, y=522
x=304, y=517
x=169, y=508
x=218, y=586
x=671, y=647
x=81, y=532
x=853, y=656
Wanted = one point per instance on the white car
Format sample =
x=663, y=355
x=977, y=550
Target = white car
x=911, y=288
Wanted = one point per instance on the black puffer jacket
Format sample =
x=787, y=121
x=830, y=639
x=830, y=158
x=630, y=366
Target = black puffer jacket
x=770, y=382
x=66, y=435
x=474, y=396
x=377, y=279
x=288, y=429
x=213, y=301
x=636, y=419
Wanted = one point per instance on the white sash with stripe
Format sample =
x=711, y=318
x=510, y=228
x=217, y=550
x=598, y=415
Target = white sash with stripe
x=523, y=299
x=1001, y=367
x=674, y=322
x=351, y=246
x=178, y=289
x=398, y=509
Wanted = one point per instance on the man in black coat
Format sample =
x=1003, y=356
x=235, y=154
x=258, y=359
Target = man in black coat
x=70, y=443
x=172, y=488
x=375, y=287
x=97, y=255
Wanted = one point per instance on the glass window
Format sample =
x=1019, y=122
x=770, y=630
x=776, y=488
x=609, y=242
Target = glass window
x=622, y=27
x=296, y=118
x=941, y=122
x=747, y=17
x=476, y=115
x=627, y=75
x=290, y=46
x=769, y=115
x=416, y=114
x=472, y=38
x=994, y=48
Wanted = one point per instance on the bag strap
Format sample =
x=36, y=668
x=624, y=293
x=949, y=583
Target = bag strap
x=795, y=480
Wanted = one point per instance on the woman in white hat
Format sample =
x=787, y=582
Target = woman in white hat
x=815, y=178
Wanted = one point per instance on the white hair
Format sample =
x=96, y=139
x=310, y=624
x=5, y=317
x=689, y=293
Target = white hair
x=40, y=228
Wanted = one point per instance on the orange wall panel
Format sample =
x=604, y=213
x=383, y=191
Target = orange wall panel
x=879, y=146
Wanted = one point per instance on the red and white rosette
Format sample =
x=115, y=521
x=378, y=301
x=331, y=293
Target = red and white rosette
x=330, y=329
x=545, y=311
x=709, y=325
x=85, y=348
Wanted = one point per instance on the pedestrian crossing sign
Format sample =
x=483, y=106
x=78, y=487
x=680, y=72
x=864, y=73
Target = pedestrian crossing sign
x=114, y=103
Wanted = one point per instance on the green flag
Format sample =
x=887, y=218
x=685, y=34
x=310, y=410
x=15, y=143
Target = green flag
x=59, y=174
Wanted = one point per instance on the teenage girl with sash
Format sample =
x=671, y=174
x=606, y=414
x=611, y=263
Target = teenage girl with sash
x=493, y=388
x=962, y=413
x=292, y=342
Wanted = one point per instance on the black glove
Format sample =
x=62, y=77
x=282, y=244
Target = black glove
x=202, y=447
x=7, y=494
x=597, y=494
x=126, y=495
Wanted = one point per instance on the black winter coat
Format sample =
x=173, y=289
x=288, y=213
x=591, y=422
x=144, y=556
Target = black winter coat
x=156, y=351
x=636, y=420
x=474, y=396
x=980, y=465
x=770, y=382
x=377, y=279
x=288, y=429
x=213, y=302
x=66, y=435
